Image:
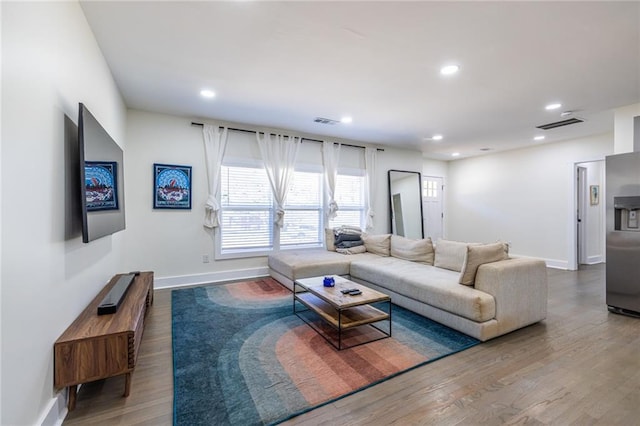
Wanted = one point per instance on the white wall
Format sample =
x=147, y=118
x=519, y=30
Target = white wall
x=50, y=62
x=623, y=128
x=0, y=218
x=435, y=168
x=171, y=242
x=523, y=196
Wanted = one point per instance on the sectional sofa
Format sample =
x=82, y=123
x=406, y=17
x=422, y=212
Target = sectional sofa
x=474, y=288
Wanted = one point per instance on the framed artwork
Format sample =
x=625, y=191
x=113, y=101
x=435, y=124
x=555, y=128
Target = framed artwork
x=594, y=194
x=171, y=186
x=101, y=185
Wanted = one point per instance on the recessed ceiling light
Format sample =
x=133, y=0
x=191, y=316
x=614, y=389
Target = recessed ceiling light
x=449, y=69
x=206, y=93
x=346, y=120
x=436, y=137
x=538, y=138
x=552, y=107
x=455, y=154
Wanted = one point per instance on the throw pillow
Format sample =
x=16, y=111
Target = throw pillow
x=413, y=250
x=479, y=255
x=450, y=254
x=352, y=250
x=329, y=239
x=377, y=244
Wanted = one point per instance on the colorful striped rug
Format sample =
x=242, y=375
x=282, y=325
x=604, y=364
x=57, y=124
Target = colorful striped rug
x=241, y=357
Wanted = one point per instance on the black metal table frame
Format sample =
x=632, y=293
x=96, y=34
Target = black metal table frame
x=339, y=328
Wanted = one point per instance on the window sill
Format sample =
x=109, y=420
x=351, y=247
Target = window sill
x=243, y=253
x=262, y=252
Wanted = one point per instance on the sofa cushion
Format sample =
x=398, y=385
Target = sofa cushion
x=479, y=255
x=297, y=264
x=450, y=254
x=329, y=239
x=427, y=284
x=413, y=250
x=377, y=244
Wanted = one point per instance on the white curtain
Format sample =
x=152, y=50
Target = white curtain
x=215, y=142
x=370, y=155
x=331, y=158
x=279, y=155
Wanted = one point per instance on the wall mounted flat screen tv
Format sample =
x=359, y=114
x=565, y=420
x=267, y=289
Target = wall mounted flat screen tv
x=101, y=177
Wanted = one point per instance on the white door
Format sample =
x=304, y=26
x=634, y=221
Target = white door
x=432, y=206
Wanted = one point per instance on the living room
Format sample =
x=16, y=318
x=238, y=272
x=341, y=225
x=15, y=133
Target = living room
x=52, y=61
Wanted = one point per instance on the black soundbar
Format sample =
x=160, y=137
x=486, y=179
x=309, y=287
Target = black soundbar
x=114, y=298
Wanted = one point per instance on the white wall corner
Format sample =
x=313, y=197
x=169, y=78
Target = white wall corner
x=210, y=278
x=558, y=264
x=623, y=128
x=1, y=216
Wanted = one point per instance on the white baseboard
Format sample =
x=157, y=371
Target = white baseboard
x=56, y=410
x=593, y=260
x=557, y=264
x=551, y=263
x=212, y=277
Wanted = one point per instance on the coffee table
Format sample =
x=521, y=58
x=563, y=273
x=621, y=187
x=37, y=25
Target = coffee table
x=340, y=311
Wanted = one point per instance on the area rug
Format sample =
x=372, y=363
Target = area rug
x=241, y=357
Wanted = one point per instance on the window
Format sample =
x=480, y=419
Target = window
x=303, y=211
x=247, y=209
x=350, y=199
x=429, y=188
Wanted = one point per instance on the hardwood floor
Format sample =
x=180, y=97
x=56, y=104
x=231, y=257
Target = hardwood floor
x=581, y=366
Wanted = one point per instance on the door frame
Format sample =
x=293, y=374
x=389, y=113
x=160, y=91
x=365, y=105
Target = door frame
x=581, y=215
x=442, y=202
x=572, y=220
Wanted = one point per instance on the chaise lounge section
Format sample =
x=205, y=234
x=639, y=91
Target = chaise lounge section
x=474, y=288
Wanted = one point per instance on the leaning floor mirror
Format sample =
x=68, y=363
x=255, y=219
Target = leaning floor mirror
x=405, y=193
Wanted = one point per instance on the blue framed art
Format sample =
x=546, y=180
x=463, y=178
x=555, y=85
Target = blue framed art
x=171, y=186
x=101, y=185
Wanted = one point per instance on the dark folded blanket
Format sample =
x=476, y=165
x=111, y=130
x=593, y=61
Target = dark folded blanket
x=349, y=244
x=347, y=237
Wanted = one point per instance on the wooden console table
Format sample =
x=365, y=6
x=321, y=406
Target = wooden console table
x=100, y=346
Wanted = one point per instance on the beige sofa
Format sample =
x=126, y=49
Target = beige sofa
x=500, y=294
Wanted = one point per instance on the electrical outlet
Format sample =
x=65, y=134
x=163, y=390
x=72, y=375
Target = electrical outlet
x=205, y=258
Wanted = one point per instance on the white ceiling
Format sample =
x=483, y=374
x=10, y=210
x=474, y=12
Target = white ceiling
x=281, y=64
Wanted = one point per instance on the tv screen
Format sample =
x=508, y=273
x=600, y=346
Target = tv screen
x=101, y=177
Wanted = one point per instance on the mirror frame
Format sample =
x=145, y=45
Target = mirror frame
x=419, y=186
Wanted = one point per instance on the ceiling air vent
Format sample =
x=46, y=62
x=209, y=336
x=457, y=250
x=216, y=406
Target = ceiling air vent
x=559, y=124
x=325, y=121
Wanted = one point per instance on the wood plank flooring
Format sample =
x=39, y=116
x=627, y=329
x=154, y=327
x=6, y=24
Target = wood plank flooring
x=581, y=366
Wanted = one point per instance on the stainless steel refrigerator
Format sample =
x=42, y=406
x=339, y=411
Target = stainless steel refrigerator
x=623, y=233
